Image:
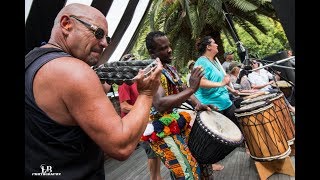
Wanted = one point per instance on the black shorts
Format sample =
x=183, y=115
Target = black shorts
x=150, y=153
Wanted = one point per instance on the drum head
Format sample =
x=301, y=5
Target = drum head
x=281, y=84
x=259, y=98
x=252, y=107
x=220, y=126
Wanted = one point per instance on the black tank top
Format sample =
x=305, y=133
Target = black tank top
x=54, y=151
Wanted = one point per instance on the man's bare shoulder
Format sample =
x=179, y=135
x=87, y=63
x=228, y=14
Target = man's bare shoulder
x=67, y=74
x=69, y=68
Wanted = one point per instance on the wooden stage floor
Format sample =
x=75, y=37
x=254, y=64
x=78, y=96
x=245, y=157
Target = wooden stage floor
x=238, y=166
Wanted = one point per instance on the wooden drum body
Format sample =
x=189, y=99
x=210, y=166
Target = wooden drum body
x=282, y=112
x=262, y=131
x=284, y=116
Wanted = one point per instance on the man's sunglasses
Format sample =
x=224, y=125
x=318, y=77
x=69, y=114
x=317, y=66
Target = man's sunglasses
x=98, y=32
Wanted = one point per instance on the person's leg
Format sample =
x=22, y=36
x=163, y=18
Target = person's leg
x=206, y=171
x=154, y=168
x=176, y=156
x=217, y=167
x=153, y=162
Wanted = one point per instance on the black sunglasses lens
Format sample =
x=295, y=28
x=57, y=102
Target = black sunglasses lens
x=108, y=39
x=99, y=33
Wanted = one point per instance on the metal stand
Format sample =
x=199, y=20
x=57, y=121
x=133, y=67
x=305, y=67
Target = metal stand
x=285, y=79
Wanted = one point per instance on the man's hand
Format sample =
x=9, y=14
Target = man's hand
x=149, y=85
x=203, y=107
x=195, y=77
x=270, y=82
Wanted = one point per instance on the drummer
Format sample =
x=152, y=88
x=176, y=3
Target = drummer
x=240, y=87
x=213, y=88
x=260, y=79
x=167, y=134
x=240, y=83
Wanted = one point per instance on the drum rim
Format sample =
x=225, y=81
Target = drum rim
x=277, y=97
x=246, y=102
x=266, y=103
x=271, y=158
x=254, y=111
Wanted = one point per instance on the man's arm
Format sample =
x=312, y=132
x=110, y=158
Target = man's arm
x=164, y=103
x=84, y=98
x=255, y=86
x=125, y=106
x=232, y=90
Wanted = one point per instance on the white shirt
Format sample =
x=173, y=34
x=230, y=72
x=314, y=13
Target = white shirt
x=260, y=78
x=225, y=66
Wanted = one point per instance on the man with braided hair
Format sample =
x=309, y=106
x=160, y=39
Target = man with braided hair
x=168, y=130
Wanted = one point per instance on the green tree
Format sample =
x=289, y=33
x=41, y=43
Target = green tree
x=273, y=41
x=185, y=21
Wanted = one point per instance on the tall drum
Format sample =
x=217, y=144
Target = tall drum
x=213, y=136
x=261, y=129
x=285, y=117
x=282, y=111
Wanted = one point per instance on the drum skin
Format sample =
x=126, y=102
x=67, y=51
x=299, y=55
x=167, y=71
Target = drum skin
x=262, y=131
x=208, y=147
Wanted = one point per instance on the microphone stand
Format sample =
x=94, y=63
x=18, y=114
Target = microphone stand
x=277, y=62
x=275, y=65
x=275, y=81
x=275, y=72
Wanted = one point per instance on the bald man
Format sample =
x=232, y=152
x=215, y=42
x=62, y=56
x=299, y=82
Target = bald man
x=69, y=122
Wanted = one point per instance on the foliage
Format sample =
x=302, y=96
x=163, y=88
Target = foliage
x=185, y=21
x=274, y=41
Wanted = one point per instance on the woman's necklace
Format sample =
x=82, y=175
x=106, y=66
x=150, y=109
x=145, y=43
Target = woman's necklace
x=213, y=62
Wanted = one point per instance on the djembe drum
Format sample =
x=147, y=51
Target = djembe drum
x=213, y=136
x=282, y=112
x=262, y=132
